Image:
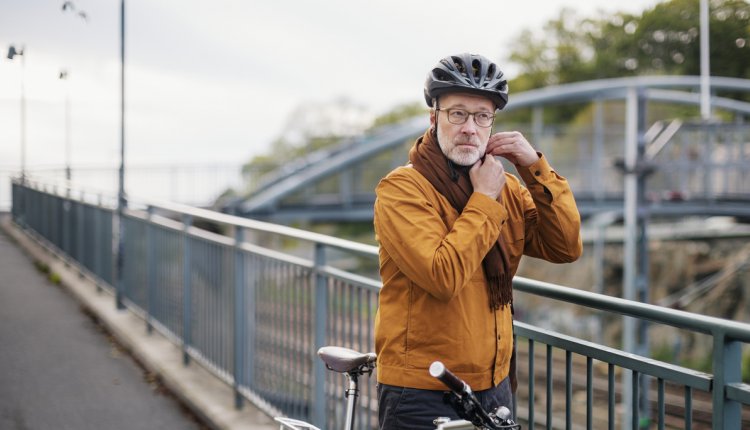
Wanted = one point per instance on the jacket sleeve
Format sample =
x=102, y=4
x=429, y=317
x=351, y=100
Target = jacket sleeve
x=439, y=259
x=552, y=220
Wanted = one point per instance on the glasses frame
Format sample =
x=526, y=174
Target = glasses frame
x=471, y=114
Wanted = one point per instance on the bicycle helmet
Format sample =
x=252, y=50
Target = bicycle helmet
x=470, y=73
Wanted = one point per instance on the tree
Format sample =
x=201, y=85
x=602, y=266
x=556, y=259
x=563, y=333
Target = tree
x=662, y=40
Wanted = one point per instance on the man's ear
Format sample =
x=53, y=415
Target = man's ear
x=432, y=117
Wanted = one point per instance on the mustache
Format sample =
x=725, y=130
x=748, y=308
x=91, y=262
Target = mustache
x=466, y=140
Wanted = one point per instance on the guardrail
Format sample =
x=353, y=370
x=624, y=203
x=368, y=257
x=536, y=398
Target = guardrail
x=254, y=301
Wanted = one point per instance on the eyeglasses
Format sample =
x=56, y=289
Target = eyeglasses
x=460, y=116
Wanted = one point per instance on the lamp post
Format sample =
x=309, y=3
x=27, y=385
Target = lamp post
x=121, y=199
x=68, y=146
x=69, y=6
x=12, y=53
x=705, y=62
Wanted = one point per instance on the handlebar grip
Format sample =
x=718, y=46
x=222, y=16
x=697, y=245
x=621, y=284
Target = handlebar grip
x=439, y=371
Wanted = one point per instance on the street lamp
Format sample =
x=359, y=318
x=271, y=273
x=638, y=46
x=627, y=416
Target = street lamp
x=12, y=53
x=121, y=196
x=69, y=6
x=68, y=146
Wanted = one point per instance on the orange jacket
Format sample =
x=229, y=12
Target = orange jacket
x=434, y=304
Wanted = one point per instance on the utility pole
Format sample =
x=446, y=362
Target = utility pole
x=13, y=52
x=121, y=199
x=68, y=146
x=705, y=63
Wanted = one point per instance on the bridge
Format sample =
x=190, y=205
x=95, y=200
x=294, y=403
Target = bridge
x=688, y=167
x=250, y=301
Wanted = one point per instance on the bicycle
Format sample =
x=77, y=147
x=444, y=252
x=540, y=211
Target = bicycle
x=355, y=364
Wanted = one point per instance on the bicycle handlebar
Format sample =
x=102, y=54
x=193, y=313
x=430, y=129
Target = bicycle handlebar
x=466, y=405
x=439, y=371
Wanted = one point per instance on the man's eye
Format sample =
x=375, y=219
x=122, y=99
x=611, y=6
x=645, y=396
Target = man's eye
x=459, y=114
x=483, y=116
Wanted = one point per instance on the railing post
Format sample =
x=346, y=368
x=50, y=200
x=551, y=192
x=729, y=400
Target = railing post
x=66, y=226
x=100, y=250
x=321, y=311
x=239, y=313
x=81, y=235
x=150, y=269
x=727, y=368
x=252, y=275
x=187, y=221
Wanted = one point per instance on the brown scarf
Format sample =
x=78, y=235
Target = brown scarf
x=453, y=182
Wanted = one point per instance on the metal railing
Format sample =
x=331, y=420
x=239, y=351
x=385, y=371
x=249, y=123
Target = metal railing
x=254, y=301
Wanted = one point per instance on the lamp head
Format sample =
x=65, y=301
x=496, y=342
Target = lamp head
x=12, y=52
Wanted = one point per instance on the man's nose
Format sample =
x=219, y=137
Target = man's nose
x=469, y=127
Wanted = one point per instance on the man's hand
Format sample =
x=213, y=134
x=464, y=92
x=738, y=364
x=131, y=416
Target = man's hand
x=512, y=146
x=488, y=176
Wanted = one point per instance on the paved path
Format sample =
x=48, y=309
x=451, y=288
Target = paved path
x=58, y=370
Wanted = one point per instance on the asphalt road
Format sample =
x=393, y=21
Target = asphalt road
x=60, y=370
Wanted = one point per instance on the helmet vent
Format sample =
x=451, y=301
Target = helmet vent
x=460, y=66
x=476, y=68
x=441, y=75
x=491, y=71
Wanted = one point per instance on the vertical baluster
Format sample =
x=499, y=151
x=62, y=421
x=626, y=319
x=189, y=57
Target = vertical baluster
x=549, y=387
x=568, y=390
x=634, y=401
x=688, y=408
x=611, y=396
x=531, y=383
x=660, y=406
x=589, y=393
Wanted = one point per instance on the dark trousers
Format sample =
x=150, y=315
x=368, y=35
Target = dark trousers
x=414, y=409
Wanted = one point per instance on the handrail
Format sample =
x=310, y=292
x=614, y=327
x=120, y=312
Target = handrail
x=673, y=317
x=260, y=226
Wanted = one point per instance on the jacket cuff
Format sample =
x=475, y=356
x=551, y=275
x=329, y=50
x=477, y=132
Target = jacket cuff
x=494, y=211
x=539, y=172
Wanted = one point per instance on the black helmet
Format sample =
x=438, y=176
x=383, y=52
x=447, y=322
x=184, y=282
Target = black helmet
x=470, y=73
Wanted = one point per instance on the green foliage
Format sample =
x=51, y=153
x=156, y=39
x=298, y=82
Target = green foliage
x=661, y=40
x=55, y=278
x=41, y=266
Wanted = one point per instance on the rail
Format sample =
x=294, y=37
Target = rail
x=253, y=301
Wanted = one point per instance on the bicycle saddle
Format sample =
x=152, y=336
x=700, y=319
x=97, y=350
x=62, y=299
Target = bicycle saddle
x=344, y=360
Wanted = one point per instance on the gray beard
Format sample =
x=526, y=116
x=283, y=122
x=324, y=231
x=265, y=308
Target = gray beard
x=455, y=154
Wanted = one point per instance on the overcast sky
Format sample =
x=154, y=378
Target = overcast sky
x=215, y=81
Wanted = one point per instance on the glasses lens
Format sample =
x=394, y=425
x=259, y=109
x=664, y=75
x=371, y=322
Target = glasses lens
x=484, y=119
x=457, y=116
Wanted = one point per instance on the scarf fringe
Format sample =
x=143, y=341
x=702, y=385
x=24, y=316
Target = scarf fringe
x=500, y=291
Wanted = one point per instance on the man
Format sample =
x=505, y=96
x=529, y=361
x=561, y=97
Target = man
x=452, y=226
